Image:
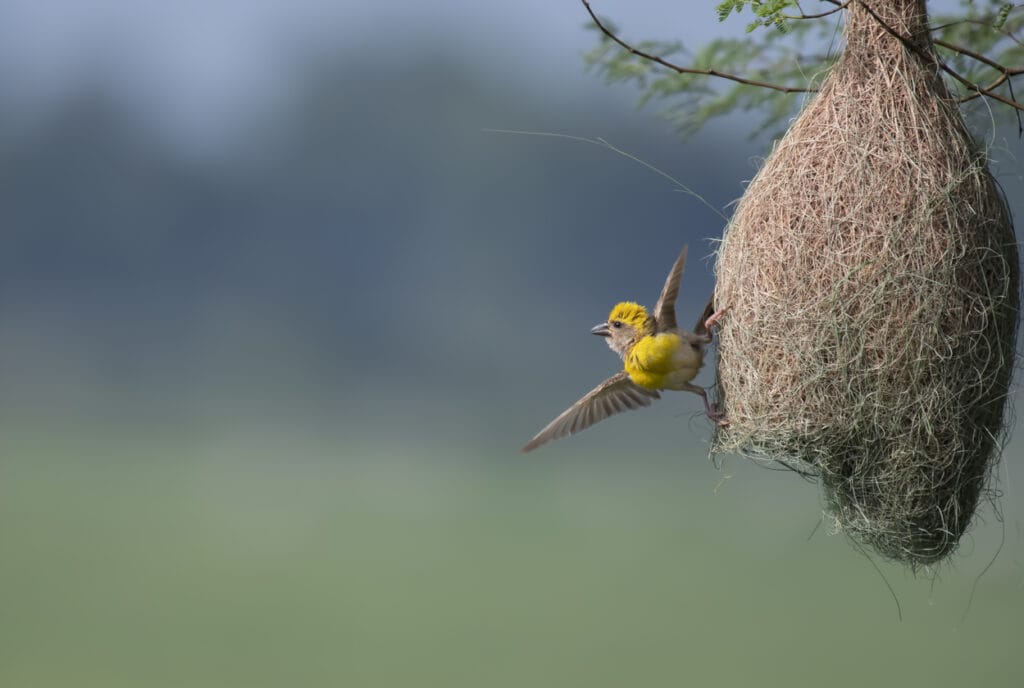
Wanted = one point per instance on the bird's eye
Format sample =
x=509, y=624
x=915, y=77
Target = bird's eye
x=616, y=324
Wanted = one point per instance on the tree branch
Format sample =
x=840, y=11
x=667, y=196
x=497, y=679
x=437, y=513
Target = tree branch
x=979, y=57
x=688, y=70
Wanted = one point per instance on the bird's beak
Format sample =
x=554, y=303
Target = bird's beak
x=601, y=330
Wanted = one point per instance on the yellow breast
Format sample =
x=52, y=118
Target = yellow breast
x=655, y=361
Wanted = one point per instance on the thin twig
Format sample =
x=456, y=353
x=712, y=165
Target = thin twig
x=1020, y=122
x=839, y=7
x=1004, y=77
x=979, y=22
x=688, y=70
x=1000, y=80
x=1008, y=71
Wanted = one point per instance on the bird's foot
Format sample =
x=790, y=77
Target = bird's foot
x=713, y=412
x=717, y=415
x=714, y=318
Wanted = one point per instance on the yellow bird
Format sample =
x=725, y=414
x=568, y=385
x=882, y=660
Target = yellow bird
x=656, y=355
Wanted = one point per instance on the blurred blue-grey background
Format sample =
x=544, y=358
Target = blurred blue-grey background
x=277, y=312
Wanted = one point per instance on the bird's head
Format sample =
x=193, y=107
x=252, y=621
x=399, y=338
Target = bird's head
x=626, y=324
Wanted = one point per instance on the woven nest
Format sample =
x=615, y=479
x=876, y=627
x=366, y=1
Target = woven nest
x=872, y=275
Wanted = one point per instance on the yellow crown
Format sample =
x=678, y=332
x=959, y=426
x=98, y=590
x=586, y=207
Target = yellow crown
x=629, y=313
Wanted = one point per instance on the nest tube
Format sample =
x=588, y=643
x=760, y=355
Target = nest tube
x=872, y=275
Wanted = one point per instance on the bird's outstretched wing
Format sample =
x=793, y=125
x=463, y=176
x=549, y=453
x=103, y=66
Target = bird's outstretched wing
x=615, y=395
x=665, y=310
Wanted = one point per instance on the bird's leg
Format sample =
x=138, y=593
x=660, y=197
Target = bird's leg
x=711, y=409
x=714, y=318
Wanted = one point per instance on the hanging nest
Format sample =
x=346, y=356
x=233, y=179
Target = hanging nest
x=872, y=275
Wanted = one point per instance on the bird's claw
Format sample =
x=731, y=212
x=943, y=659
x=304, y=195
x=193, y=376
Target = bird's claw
x=714, y=318
x=713, y=411
x=717, y=415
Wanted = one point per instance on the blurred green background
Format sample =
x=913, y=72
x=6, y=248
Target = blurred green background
x=277, y=313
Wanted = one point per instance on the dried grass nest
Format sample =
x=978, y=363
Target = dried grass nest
x=872, y=274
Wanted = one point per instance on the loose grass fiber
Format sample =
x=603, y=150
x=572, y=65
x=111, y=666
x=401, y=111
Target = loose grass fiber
x=872, y=276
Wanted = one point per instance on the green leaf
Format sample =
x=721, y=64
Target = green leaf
x=1002, y=15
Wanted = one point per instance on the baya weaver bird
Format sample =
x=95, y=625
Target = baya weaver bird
x=656, y=355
